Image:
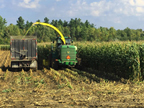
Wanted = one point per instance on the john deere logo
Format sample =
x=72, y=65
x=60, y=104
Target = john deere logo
x=68, y=52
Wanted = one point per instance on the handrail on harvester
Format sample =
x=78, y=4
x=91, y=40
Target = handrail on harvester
x=49, y=25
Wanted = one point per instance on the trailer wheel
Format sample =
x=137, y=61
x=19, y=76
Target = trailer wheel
x=35, y=69
x=26, y=68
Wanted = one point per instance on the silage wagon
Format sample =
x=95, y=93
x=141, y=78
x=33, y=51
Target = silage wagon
x=23, y=52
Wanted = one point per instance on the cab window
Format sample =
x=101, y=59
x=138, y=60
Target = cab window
x=59, y=41
x=67, y=41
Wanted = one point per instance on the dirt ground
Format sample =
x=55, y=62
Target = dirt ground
x=64, y=88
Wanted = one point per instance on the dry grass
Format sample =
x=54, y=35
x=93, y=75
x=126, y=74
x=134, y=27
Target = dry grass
x=50, y=88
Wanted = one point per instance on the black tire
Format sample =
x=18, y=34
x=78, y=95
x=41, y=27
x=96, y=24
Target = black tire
x=55, y=64
x=26, y=69
x=78, y=66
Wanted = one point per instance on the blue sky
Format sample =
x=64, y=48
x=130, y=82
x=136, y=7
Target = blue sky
x=106, y=13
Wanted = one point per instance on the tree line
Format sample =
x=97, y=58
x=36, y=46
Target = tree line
x=78, y=30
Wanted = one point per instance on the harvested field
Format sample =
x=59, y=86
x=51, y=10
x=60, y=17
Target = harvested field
x=4, y=58
x=65, y=88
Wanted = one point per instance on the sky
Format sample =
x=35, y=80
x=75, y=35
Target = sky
x=105, y=13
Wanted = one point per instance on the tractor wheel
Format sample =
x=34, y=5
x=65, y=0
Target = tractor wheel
x=55, y=65
x=78, y=65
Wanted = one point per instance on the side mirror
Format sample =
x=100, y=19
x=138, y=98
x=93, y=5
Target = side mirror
x=72, y=41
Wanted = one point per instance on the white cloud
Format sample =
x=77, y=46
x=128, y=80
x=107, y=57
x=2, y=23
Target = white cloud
x=95, y=13
x=139, y=9
x=106, y=8
x=112, y=11
x=29, y=4
x=83, y=8
x=139, y=2
x=58, y=0
x=99, y=8
x=77, y=9
x=132, y=2
x=27, y=1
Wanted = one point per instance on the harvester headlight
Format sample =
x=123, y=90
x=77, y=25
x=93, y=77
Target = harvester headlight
x=75, y=47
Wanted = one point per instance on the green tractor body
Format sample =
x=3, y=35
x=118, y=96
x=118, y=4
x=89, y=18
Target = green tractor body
x=63, y=55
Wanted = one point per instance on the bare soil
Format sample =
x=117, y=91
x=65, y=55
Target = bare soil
x=64, y=88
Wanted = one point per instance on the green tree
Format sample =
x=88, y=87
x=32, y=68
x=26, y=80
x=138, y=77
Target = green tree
x=61, y=29
x=72, y=33
x=56, y=23
x=2, y=23
x=87, y=24
x=65, y=24
x=38, y=20
x=2, y=26
x=128, y=32
x=77, y=22
x=112, y=33
x=60, y=22
x=53, y=22
x=6, y=34
x=66, y=31
x=52, y=34
x=46, y=20
x=78, y=32
x=13, y=30
x=92, y=34
x=98, y=34
x=84, y=34
x=118, y=33
x=38, y=26
x=27, y=26
x=72, y=23
x=92, y=25
x=124, y=35
x=105, y=34
x=138, y=34
x=20, y=23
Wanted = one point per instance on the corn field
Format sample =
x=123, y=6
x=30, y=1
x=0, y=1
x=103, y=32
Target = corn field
x=4, y=47
x=124, y=59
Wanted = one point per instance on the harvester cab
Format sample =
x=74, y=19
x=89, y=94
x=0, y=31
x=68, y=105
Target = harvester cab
x=60, y=42
x=63, y=54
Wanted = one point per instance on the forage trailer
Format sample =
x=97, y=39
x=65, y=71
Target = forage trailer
x=23, y=52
